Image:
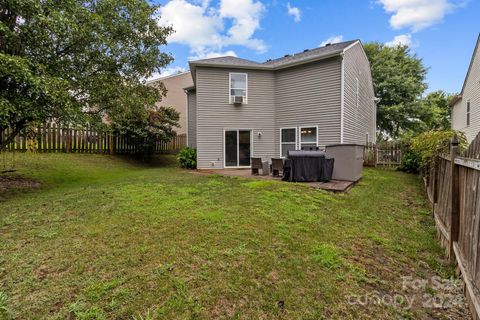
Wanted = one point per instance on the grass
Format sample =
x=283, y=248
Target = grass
x=106, y=237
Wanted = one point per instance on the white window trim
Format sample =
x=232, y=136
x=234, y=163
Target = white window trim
x=468, y=113
x=238, y=148
x=296, y=139
x=300, y=136
x=230, y=86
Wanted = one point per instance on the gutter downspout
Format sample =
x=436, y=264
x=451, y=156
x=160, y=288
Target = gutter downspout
x=187, y=119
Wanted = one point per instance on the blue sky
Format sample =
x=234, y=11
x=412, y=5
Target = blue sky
x=442, y=32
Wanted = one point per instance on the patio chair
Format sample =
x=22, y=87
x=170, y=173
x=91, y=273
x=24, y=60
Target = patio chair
x=257, y=165
x=277, y=166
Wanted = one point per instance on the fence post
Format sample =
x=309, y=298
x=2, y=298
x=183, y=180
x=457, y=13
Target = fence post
x=436, y=168
x=455, y=201
x=112, y=143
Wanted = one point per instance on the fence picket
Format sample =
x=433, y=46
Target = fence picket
x=456, y=187
x=63, y=138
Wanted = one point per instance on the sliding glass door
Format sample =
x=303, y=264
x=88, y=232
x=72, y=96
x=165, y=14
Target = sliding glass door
x=238, y=148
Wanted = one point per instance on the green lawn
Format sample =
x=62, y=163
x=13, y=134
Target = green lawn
x=107, y=238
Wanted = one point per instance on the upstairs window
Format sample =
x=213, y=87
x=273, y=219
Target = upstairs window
x=468, y=112
x=238, y=86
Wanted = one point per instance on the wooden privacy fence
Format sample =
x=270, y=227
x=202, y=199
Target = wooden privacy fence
x=53, y=138
x=453, y=187
x=386, y=154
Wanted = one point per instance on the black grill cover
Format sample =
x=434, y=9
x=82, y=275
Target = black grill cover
x=327, y=170
x=308, y=166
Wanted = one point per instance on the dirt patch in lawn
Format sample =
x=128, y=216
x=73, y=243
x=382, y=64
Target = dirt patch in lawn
x=420, y=293
x=14, y=182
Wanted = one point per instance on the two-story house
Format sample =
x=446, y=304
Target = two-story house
x=175, y=96
x=238, y=109
x=465, y=107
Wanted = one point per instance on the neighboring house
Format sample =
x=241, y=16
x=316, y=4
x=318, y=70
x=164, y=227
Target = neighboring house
x=466, y=106
x=239, y=109
x=176, y=96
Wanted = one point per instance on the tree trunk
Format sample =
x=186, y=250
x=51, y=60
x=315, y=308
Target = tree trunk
x=10, y=137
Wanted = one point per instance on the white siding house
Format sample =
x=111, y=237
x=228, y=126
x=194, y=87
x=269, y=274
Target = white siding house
x=466, y=107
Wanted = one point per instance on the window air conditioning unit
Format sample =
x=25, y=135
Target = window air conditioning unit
x=237, y=99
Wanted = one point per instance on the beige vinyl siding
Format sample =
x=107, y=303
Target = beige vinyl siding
x=215, y=114
x=175, y=96
x=192, y=119
x=310, y=95
x=358, y=120
x=471, y=92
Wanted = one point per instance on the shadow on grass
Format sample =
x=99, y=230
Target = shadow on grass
x=40, y=171
x=162, y=160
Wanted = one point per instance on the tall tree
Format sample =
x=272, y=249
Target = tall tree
x=434, y=111
x=399, y=82
x=62, y=60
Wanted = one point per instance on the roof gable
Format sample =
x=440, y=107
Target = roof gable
x=475, y=51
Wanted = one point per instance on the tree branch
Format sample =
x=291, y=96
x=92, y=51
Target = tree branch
x=4, y=143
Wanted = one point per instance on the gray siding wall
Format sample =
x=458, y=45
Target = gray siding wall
x=359, y=116
x=310, y=95
x=192, y=119
x=215, y=114
x=471, y=92
x=306, y=95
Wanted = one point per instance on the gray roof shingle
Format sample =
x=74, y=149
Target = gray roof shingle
x=228, y=60
x=307, y=55
x=310, y=54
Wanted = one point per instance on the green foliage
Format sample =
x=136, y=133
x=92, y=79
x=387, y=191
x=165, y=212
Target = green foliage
x=146, y=127
x=425, y=146
x=77, y=61
x=3, y=305
x=410, y=162
x=188, y=158
x=82, y=312
x=434, y=111
x=97, y=290
x=399, y=81
x=327, y=256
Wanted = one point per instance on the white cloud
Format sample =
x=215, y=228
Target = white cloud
x=212, y=54
x=332, y=40
x=245, y=15
x=403, y=39
x=294, y=12
x=202, y=26
x=416, y=14
x=194, y=25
